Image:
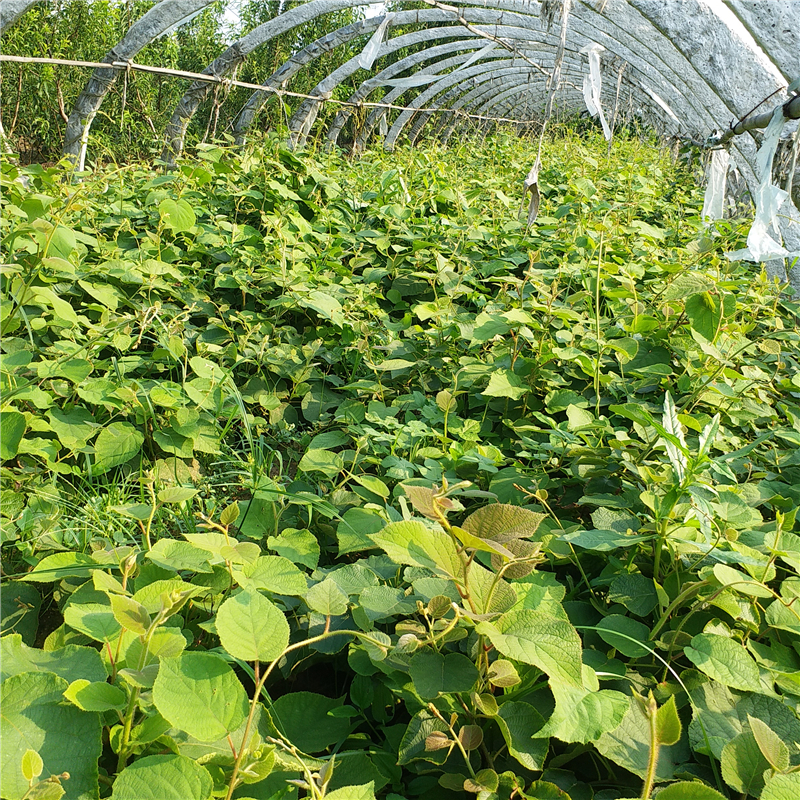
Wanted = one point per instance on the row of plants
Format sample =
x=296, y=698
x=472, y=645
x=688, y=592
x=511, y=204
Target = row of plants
x=327, y=478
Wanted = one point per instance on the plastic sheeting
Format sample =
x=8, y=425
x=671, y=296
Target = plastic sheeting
x=761, y=246
x=370, y=52
x=714, y=201
x=592, y=86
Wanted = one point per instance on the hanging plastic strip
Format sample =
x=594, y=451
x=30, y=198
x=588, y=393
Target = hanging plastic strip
x=714, y=201
x=370, y=52
x=592, y=85
x=761, y=246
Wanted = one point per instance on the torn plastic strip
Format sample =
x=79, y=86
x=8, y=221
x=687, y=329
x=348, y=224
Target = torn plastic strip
x=663, y=103
x=714, y=201
x=531, y=184
x=592, y=85
x=761, y=246
x=370, y=51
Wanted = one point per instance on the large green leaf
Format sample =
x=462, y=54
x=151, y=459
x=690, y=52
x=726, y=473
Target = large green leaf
x=582, y=715
x=177, y=215
x=629, y=746
x=35, y=717
x=305, y=719
x=273, y=574
x=782, y=787
x=743, y=764
x=413, y=744
x=70, y=662
x=12, y=429
x=541, y=639
x=415, y=544
x=724, y=660
x=252, y=628
x=500, y=522
x=61, y=565
x=168, y=777
x=116, y=444
x=435, y=673
x=519, y=723
x=200, y=694
x=690, y=790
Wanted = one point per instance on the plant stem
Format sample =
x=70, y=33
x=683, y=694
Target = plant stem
x=653, y=760
x=260, y=685
x=126, y=729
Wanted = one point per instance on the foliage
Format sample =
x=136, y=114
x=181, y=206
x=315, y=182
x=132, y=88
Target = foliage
x=325, y=478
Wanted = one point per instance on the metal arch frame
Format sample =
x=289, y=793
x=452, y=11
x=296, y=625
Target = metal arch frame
x=154, y=23
x=713, y=61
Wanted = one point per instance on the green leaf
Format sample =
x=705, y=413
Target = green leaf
x=544, y=790
x=34, y=717
x=95, y=620
x=353, y=532
x=629, y=745
x=541, y=639
x=168, y=777
x=364, y=791
x=299, y=546
x=434, y=673
x=668, y=723
x=327, y=598
x=272, y=574
x=500, y=522
x=724, y=715
x=581, y=715
x=636, y=592
x=602, y=541
x=70, y=662
x=19, y=610
x=519, y=723
x=416, y=545
x=703, y=313
x=12, y=429
x=252, y=628
x=610, y=628
x=743, y=764
x=176, y=494
x=177, y=215
x=200, y=694
x=782, y=787
x=304, y=719
x=324, y=461
x=413, y=744
x=504, y=383
x=503, y=674
x=60, y=566
x=689, y=790
x=772, y=747
x=130, y=614
x=724, y=660
x=32, y=765
x=99, y=696
x=175, y=555
x=115, y=445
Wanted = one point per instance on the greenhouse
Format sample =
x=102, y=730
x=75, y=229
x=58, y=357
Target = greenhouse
x=400, y=401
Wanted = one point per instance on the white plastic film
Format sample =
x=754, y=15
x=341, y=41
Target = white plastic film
x=714, y=201
x=663, y=103
x=531, y=184
x=383, y=127
x=592, y=85
x=184, y=21
x=370, y=52
x=761, y=246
